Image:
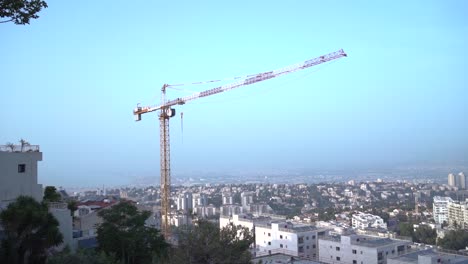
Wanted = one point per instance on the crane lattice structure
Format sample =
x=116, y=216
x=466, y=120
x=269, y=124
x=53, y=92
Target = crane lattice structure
x=166, y=112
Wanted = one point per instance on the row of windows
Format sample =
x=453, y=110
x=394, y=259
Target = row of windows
x=339, y=258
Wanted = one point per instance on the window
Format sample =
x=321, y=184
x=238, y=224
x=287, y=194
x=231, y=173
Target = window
x=281, y=236
x=281, y=245
x=354, y=251
x=313, y=237
x=269, y=243
x=313, y=246
x=330, y=246
x=307, y=237
x=307, y=247
x=393, y=251
x=354, y=261
x=337, y=248
x=21, y=168
x=338, y=258
x=361, y=252
x=300, y=249
x=380, y=256
x=300, y=240
x=269, y=234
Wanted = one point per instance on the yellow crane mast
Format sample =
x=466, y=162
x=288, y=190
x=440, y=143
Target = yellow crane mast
x=166, y=112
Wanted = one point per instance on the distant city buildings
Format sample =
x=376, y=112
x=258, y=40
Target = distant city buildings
x=365, y=221
x=458, y=180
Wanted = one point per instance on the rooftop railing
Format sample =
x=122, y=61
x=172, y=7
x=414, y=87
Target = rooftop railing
x=19, y=148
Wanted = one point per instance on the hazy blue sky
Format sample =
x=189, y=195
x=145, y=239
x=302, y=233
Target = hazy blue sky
x=70, y=80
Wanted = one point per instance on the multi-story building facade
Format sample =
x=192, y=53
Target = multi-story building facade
x=227, y=198
x=247, y=199
x=458, y=214
x=294, y=239
x=185, y=202
x=461, y=180
x=452, y=180
x=363, y=221
x=440, y=209
x=360, y=249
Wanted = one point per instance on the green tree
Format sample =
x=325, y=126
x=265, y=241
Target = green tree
x=425, y=234
x=124, y=235
x=455, y=240
x=406, y=229
x=206, y=243
x=29, y=231
x=51, y=194
x=88, y=256
x=20, y=12
x=72, y=205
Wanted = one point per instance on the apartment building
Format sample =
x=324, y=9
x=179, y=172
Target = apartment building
x=289, y=238
x=360, y=249
x=363, y=221
x=440, y=209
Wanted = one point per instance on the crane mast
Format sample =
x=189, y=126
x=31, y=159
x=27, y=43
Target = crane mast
x=166, y=112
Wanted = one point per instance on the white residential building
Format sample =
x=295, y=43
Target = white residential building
x=428, y=256
x=294, y=239
x=363, y=221
x=440, y=209
x=185, y=202
x=227, y=198
x=452, y=180
x=360, y=249
x=247, y=199
x=458, y=214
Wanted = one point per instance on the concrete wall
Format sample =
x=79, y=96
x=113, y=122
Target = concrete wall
x=63, y=216
x=14, y=183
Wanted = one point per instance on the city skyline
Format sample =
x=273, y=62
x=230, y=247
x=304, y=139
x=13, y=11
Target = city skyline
x=70, y=84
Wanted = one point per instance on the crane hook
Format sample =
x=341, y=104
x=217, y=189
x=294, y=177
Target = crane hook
x=182, y=125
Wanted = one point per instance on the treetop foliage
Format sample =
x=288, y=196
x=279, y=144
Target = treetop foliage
x=20, y=12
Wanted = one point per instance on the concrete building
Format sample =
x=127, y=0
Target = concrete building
x=205, y=211
x=360, y=249
x=363, y=221
x=452, y=180
x=440, y=209
x=247, y=199
x=429, y=256
x=18, y=173
x=231, y=209
x=185, y=202
x=18, y=176
x=293, y=239
x=461, y=179
x=458, y=214
x=227, y=198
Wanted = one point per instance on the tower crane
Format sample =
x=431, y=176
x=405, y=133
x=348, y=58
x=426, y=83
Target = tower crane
x=166, y=112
